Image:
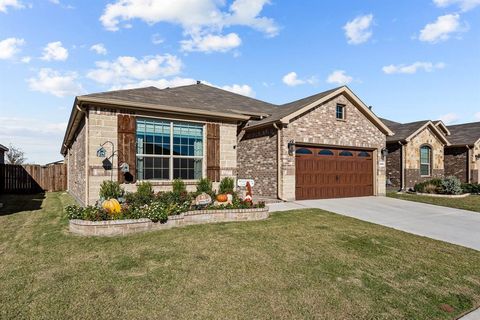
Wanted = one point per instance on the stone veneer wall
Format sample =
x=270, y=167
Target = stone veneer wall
x=103, y=126
x=412, y=158
x=76, y=166
x=456, y=162
x=320, y=126
x=394, y=165
x=475, y=164
x=257, y=160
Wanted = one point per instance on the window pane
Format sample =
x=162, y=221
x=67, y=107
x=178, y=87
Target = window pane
x=425, y=169
x=425, y=155
x=346, y=154
x=364, y=154
x=325, y=152
x=187, y=139
x=187, y=168
x=153, y=137
x=149, y=168
x=303, y=151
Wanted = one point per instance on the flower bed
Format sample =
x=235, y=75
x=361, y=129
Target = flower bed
x=446, y=187
x=439, y=195
x=118, y=212
x=130, y=226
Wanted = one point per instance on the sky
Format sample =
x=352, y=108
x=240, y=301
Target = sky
x=410, y=60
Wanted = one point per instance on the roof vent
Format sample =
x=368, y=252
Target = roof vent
x=370, y=107
x=199, y=82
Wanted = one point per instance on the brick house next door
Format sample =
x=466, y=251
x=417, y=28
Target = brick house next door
x=323, y=173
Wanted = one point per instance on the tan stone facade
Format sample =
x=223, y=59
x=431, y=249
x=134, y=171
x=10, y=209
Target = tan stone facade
x=101, y=125
x=320, y=126
x=475, y=164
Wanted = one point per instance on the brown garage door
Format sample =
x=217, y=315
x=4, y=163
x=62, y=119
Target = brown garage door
x=323, y=173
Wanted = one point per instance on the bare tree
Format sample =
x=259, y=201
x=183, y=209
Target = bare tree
x=15, y=155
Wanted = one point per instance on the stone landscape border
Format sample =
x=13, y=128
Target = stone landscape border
x=436, y=195
x=124, y=227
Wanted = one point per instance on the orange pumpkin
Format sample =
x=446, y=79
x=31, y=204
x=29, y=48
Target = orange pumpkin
x=222, y=198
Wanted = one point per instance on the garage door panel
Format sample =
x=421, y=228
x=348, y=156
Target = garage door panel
x=333, y=176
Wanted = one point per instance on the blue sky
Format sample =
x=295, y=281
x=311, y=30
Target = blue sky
x=410, y=60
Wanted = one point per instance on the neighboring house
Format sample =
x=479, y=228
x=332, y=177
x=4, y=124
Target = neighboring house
x=324, y=146
x=415, y=152
x=462, y=158
x=3, y=149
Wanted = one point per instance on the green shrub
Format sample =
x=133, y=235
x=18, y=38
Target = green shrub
x=74, y=212
x=144, y=195
x=227, y=185
x=473, y=188
x=204, y=185
x=111, y=190
x=420, y=187
x=179, y=186
x=176, y=202
x=90, y=213
x=451, y=185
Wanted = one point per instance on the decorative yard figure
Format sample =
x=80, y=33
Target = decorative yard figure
x=249, y=197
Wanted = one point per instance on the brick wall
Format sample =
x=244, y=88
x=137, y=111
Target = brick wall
x=394, y=165
x=456, y=162
x=257, y=159
x=76, y=166
x=319, y=126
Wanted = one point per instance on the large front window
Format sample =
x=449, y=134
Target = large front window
x=169, y=150
x=425, y=160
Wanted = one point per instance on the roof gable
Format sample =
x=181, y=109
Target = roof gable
x=406, y=131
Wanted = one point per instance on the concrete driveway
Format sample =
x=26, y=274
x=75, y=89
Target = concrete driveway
x=446, y=224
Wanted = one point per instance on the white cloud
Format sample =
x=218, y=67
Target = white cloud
x=157, y=39
x=477, y=116
x=450, y=118
x=465, y=5
x=339, y=77
x=359, y=30
x=56, y=83
x=441, y=29
x=412, y=68
x=210, y=43
x=26, y=59
x=125, y=70
x=202, y=20
x=9, y=47
x=14, y=126
x=291, y=79
x=55, y=51
x=99, y=48
x=15, y=4
x=244, y=89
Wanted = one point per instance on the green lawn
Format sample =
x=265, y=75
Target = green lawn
x=471, y=203
x=297, y=264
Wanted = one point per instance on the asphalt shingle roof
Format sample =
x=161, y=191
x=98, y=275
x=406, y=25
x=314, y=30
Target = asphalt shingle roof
x=2, y=147
x=402, y=130
x=464, y=134
x=196, y=96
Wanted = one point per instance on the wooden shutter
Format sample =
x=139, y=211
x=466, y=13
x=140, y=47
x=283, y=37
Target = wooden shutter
x=126, y=147
x=213, y=152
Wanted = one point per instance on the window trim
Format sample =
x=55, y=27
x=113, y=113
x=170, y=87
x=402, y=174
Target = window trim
x=344, y=112
x=171, y=156
x=430, y=154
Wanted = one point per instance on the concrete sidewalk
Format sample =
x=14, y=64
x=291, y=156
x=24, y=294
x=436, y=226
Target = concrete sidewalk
x=441, y=223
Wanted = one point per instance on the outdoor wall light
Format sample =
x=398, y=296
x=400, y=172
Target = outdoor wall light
x=384, y=153
x=291, y=147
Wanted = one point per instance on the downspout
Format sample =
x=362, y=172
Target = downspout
x=469, y=164
x=279, y=163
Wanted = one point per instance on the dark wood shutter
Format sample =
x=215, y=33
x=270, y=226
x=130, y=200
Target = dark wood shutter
x=213, y=152
x=127, y=147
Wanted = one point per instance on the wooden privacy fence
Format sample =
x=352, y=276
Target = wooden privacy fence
x=32, y=178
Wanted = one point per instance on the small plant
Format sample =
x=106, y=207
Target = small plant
x=156, y=212
x=420, y=187
x=227, y=186
x=204, y=185
x=74, y=212
x=111, y=190
x=430, y=188
x=179, y=186
x=452, y=185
